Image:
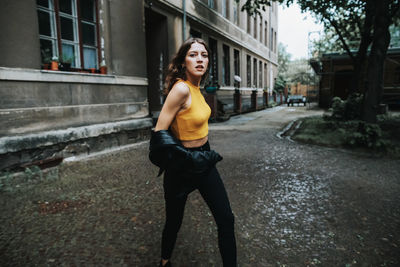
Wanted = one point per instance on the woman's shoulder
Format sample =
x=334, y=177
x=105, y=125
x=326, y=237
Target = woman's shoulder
x=180, y=88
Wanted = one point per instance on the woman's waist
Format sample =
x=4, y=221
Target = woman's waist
x=198, y=144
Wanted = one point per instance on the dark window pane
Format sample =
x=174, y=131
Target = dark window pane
x=248, y=71
x=213, y=61
x=46, y=50
x=44, y=23
x=43, y=3
x=226, y=65
x=67, y=29
x=88, y=34
x=87, y=10
x=237, y=62
x=65, y=6
x=255, y=72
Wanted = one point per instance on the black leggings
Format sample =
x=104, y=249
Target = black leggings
x=211, y=188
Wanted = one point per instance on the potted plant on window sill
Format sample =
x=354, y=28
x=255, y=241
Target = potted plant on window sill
x=54, y=63
x=65, y=64
x=103, y=67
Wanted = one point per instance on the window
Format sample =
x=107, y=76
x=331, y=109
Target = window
x=271, y=39
x=255, y=72
x=225, y=8
x=266, y=33
x=248, y=23
x=255, y=26
x=226, y=70
x=211, y=3
x=260, y=75
x=213, y=61
x=248, y=65
x=275, y=42
x=236, y=9
x=260, y=29
x=68, y=30
x=195, y=34
x=47, y=30
x=236, y=62
x=265, y=75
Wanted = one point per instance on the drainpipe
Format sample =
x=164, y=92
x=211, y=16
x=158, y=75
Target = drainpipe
x=184, y=20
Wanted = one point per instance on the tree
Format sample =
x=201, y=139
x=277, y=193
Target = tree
x=283, y=58
x=280, y=83
x=370, y=20
x=299, y=71
x=283, y=62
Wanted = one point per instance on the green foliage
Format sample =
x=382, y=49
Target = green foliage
x=353, y=133
x=280, y=83
x=366, y=135
x=350, y=109
x=283, y=58
x=346, y=119
x=10, y=181
x=33, y=172
x=67, y=59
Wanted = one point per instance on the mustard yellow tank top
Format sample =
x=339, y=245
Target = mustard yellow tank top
x=192, y=123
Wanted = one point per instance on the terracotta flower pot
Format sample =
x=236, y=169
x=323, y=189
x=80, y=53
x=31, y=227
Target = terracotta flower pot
x=103, y=69
x=54, y=65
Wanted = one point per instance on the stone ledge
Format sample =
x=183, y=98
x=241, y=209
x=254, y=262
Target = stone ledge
x=19, y=74
x=11, y=144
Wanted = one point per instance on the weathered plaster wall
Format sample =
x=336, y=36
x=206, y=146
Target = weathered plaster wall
x=19, y=34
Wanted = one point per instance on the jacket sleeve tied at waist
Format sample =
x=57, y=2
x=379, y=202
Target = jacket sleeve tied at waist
x=167, y=152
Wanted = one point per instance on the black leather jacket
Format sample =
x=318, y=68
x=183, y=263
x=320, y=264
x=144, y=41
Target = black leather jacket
x=167, y=152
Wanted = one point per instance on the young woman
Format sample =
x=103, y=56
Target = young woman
x=186, y=114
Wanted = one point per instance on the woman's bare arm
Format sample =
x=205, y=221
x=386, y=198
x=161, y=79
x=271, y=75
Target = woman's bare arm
x=176, y=100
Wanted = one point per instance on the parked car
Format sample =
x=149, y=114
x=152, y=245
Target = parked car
x=296, y=99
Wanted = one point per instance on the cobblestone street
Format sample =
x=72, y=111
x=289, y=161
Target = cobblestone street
x=295, y=205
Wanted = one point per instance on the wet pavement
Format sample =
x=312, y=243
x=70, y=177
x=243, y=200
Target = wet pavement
x=294, y=204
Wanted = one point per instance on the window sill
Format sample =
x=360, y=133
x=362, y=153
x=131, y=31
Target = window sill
x=19, y=74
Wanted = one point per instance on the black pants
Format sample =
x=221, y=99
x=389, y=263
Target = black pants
x=211, y=188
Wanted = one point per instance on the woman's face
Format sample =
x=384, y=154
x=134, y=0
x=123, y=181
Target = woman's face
x=196, y=60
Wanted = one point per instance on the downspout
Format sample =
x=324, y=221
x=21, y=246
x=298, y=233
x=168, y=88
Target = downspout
x=184, y=20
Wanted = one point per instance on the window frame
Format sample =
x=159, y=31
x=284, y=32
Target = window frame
x=226, y=70
x=77, y=21
x=211, y=4
x=255, y=26
x=236, y=62
x=248, y=70
x=260, y=74
x=255, y=67
x=213, y=60
x=266, y=33
x=53, y=32
x=236, y=13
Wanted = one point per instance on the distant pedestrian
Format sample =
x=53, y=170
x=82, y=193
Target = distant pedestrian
x=179, y=145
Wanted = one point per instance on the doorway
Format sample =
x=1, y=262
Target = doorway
x=342, y=83
x=157, y=58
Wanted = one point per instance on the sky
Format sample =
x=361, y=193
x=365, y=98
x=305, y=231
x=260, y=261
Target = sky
x=293, y=29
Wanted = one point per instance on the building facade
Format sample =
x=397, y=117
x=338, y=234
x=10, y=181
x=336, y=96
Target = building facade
x=111, y=57
x=336, y=72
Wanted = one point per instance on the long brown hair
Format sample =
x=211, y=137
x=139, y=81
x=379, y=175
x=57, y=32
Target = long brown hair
x=176, y=70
